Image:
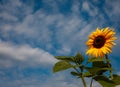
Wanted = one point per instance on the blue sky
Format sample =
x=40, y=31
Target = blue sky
x=32, y=32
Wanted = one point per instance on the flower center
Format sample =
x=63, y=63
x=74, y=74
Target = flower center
x=99, y=42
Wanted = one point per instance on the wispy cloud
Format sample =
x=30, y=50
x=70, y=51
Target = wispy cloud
x=23, y=54
x=50, y=29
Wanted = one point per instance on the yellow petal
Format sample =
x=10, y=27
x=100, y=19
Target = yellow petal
x=113, y=38
x=110, y=34
x=89, y=42
x=101, y=54
x=105, y=30
x=108, y=50
x=108, y=45
x=103, y=50
x=96, y=53
x=98, y=30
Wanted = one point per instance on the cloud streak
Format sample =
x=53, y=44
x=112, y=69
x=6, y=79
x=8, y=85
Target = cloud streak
x=25, y=54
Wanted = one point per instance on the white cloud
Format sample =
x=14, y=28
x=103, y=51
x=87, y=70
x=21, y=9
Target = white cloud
x=113, y=6
x=56, y=80
x=25, y=53
x=68, y=33
x=46, y=29
x=37, y=27
x=62, y=81
x=90, y=8
x=86, y=6
x=75, y=7
x=64, y=50
x=52, y=5
x=7, y=16
x=96, y=84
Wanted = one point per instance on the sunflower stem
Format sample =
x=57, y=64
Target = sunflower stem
x=109, y=66
x=83, y=80
x=82, y=77
x=91, y=82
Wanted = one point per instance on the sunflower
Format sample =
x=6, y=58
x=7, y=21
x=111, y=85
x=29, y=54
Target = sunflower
x=101, y=42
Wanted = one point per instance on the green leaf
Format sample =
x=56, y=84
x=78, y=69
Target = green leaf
x=92, y=70
x=116, y=79
x=87, y=74
x=76, y=74
x=94, y=59
x=67, y=58
x=61, y=65
x=104, y=81
x=99, y=67
x=97, y=70
x=79, y=58
x=99, y=64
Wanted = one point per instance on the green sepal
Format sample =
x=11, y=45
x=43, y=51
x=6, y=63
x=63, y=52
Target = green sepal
x=79, y=58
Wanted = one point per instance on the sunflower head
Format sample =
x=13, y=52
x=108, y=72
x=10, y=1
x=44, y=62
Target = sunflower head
x=100, y=42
